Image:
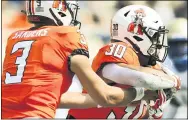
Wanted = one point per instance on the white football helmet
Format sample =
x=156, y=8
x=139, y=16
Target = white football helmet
x=60, y=12
x=143, y=28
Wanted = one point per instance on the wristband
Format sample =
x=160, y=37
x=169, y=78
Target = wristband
x=139, y=93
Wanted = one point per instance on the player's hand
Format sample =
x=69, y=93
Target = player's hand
x=178, y=82
x=172, y=91
x=150, y=95
x=160, y=100
x=163, y=96
x=177, y=79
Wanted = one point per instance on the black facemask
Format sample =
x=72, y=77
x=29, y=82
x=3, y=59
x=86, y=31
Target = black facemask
x=158, y=43
x=75, y=8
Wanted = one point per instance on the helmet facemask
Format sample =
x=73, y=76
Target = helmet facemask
x=73, y=9
x=159, y=47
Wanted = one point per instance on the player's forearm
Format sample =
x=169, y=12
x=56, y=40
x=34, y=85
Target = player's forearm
x=103, y=94
x=81, y=100
x=137, y=76
x=129, y=96
x=76, y=100
x=149, y=70
x=94, y=85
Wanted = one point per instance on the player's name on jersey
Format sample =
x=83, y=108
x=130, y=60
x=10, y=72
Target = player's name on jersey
x=33, y=33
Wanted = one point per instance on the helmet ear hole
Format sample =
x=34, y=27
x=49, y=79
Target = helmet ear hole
x=61, y=14
x=126, y=13
x=137, y=38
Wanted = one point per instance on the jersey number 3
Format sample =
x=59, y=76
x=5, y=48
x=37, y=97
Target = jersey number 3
x=116, y=50
x=20, y=61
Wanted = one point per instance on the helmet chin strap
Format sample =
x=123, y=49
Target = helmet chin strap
x=75, y=23
x=146, y=60
x=143, y=59
x=152, y=61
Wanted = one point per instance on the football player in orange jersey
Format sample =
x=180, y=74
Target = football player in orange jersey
x=131, y=48
x=40, y=62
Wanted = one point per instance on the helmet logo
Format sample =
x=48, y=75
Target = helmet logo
x=57, y=4
x=135, y=27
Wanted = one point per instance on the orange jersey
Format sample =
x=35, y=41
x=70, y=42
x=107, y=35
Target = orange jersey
x=35, y=70
x=118, y=52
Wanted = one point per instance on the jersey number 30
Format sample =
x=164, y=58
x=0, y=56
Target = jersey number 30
x=116, y=50
x=20, y=61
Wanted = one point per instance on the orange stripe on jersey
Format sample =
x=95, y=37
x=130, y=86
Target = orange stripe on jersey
x=32, y=7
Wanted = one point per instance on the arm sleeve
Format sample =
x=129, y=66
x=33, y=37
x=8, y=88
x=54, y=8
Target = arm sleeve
x=77, y=52
x=123, y=75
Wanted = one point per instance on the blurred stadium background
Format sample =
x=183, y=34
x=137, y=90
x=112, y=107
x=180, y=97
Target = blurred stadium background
x=95, y=17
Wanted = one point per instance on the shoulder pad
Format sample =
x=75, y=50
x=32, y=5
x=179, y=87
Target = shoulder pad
x=64, y=29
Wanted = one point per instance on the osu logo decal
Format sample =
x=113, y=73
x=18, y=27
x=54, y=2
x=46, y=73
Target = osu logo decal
x=59, y=4
x=136, y=26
